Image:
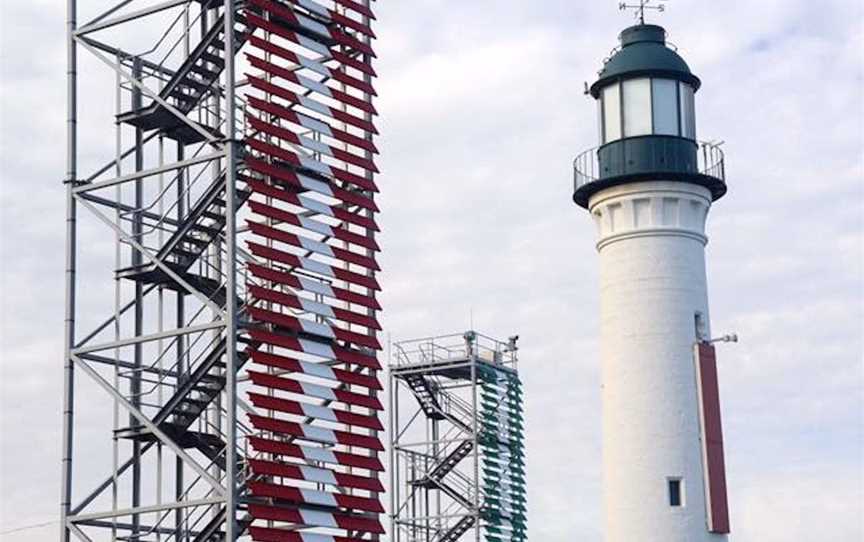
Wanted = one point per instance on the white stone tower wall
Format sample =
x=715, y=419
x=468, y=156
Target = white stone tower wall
x=653, y=282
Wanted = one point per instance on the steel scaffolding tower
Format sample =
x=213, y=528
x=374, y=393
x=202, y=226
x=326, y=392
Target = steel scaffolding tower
x=456, y=440
x=240, y=203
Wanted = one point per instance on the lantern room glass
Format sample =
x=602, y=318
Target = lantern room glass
x=637, y=107
x=664, y=105
x=647, y=106
x=687, y=107
x=612, y=113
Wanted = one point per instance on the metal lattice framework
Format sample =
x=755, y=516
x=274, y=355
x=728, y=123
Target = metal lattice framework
x=240, y=360
x=456, y=440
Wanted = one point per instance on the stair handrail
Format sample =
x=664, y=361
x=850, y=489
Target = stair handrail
x=166, y=373
x=165, y=35
x=179, y=40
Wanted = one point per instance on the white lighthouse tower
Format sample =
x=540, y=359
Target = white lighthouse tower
x=649, y=187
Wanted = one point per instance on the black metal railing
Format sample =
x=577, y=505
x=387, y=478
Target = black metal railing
x=709, y=162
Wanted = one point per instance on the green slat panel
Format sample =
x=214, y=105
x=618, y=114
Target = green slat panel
x=501, y=440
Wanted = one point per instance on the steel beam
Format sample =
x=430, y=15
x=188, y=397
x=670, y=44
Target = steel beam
x=231, y=476
x=145, y=509
x=149, y=338
x=149, y=172
x=96, y=25
x=71, y=232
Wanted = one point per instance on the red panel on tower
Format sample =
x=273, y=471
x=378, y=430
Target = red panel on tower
x=712, y=439
x=312, y=308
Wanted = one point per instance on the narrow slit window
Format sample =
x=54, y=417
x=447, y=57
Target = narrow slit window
x=699, y=323
x=676, y=499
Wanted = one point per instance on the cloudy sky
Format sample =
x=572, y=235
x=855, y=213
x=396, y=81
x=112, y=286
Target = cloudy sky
x=482, y=113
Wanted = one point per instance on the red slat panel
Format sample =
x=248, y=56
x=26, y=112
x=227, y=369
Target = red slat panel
x=297, y=324
x=295, y=261
x=291, y=56
x=345, y=521
x=293, y=301
x=279, y=193
x=333, y=94
x=292, y=450
x=290, y=136
x=347, y=377
x=291, y=178
x=339, y=233
x=718, y=506
x=294, y=240
x=355, y=6
x=361, y=64
x=291, y=280
x=284, y=470
x=286, y=16
x=292, y=159
x=292, y=494
x=342, y=354
x=295, y=407
x=296, y=118
x=351, y=23
x=357, y=63
x=293, y=386
x=295, y=429
x=334, y=114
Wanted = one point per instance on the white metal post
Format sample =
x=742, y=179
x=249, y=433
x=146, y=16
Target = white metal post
x=231, y=531
x=69, y=324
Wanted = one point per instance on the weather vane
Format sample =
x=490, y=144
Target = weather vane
x=641, y=7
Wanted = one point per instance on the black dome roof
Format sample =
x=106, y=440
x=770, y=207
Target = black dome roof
x=644, y=53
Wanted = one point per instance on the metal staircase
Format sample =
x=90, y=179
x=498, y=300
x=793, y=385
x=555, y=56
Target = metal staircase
x=199, y=229
x=196, y=77
x=195, y=392
x=426, y=393
x=461, y=527
x=442, y=473
x=451, y=460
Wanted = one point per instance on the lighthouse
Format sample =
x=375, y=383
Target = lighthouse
x=648, y=188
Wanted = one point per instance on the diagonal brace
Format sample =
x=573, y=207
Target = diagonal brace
x=141, y=417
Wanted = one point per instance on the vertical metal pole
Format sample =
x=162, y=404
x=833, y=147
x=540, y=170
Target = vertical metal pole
x=474, y=425
x=181, y=347
x=181, y=305
x=69, y=323
x=118, y=258
x=214, y=413
x=137, y=259
x=231, y=286
x=391, y=385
